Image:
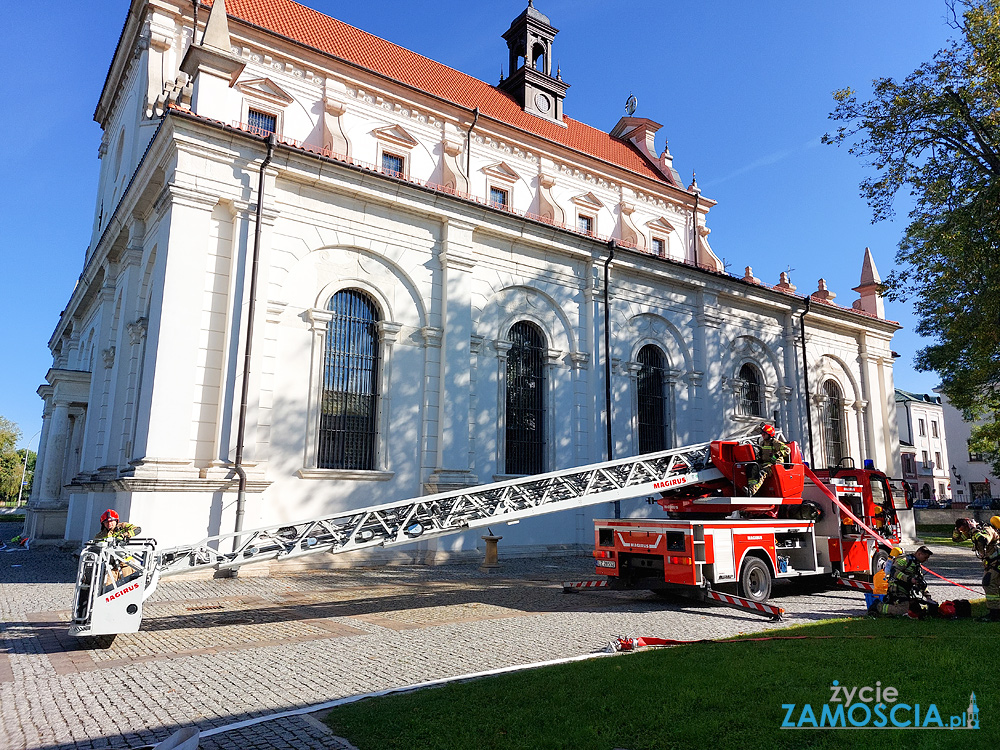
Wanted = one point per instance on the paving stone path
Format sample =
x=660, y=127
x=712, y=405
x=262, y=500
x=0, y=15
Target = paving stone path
x=215, y=652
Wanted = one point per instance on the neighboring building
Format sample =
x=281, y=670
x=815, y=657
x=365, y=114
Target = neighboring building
x=973, y=480
x=922, y=431
x=430, y=297
x=908, y=462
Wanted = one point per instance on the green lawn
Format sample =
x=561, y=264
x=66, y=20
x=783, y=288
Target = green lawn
x=940, y=534
x=716, y=695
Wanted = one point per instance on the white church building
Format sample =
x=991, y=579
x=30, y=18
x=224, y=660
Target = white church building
x=425, y=267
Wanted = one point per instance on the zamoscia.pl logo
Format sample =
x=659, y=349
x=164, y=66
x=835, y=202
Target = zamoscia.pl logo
x=874, y=707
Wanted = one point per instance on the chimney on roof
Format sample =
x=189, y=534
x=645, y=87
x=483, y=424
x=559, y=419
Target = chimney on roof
x=822, y=293
x=529, y=44
x=213, y=68
x=870, y=288
x=785, y=283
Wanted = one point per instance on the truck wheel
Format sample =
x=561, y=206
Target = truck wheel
x=755, y=580
x=878, y=558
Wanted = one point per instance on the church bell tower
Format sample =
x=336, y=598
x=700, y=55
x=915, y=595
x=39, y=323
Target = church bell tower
x=530, y=80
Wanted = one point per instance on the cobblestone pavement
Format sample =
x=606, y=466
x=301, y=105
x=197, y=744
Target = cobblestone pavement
x=216, y=652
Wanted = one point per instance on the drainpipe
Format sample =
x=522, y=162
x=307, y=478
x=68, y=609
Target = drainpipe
x=607, y=360
x=194, y=30
x=468, y=150
x=805, y=378
x=241, y=495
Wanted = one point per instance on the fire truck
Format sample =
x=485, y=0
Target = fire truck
x=716, y=534
x=799, y=524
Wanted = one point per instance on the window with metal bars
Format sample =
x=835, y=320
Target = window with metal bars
x=833, y=423
x=651, y=382
x=499, y=198
x=348, y=426
x=394, y=165
x=525, y=431
x=261, y=123
x=750, y=391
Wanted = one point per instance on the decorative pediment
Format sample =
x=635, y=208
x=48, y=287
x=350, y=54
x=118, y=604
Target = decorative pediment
x=660, y=224
x=396, y=135
x=266, y=89
x=588, y=200
x=501, y=171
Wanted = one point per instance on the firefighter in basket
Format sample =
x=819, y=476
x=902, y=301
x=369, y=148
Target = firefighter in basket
x=114, y=529
x=771, y=451
x=907, y=595
x=985, y=539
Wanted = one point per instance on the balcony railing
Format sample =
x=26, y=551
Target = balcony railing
x=925, y=468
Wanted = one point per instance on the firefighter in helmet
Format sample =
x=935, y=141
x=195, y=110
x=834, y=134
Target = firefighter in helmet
x=112, y=527
x=770, y=452
x=986, y=541
x=881, y=579
x=907, y=595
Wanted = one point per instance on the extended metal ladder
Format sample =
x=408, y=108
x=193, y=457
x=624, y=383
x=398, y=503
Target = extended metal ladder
x=116, y=577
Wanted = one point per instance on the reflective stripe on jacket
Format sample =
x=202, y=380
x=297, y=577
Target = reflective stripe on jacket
x=906, y=578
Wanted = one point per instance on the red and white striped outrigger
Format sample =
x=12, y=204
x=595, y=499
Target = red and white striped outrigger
x=865, y=586
x=757, y=608
x=737, y=602
x=593, y=584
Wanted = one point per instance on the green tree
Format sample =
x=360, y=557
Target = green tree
x=937, y=133
x=10, y=460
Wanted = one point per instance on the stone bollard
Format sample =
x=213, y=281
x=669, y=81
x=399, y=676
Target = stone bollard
x=491, y=562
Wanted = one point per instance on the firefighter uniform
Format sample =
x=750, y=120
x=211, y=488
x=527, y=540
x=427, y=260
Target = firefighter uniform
x=122, y=532
x=770, y=452
x=907, y=587
x=115, y=529
x=986, y=542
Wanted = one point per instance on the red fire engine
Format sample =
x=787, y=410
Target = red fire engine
x=717, y=537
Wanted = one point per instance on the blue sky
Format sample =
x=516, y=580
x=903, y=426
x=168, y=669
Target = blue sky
x=743, y=90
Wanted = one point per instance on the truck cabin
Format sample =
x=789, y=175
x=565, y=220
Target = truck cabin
x=875, y=501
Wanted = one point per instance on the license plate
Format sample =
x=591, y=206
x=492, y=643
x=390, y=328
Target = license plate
x=606, y=564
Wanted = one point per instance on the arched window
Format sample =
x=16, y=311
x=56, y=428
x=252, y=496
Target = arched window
x=525, y=432
x=925, y=492
x=538, y=58
x=348, y=426
x=833, y=423
x=119, y=152
x=750, y=392
x=652, y=407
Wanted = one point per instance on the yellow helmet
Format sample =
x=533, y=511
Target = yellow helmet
x=895, y=552
x=995, y=522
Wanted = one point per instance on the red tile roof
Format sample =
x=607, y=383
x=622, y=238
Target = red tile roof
x=333, y=37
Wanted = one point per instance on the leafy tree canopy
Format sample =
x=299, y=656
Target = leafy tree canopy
x=10, y=467
x=937, y=133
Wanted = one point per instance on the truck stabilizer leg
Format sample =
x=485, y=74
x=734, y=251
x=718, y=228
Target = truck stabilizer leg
x=738, y=602
x=868, y=588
